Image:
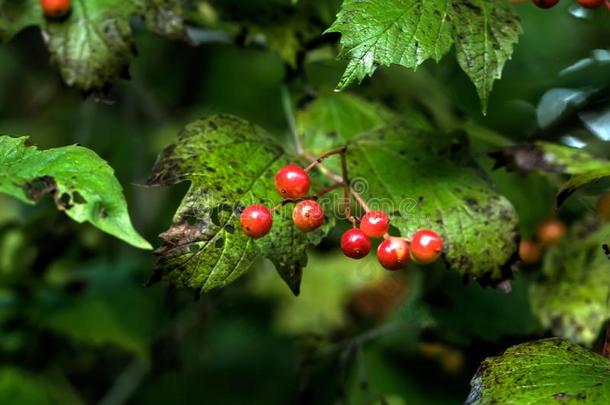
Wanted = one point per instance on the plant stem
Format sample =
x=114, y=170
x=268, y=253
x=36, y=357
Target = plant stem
x=333, y=176
x=326, y=156
x=319, y=194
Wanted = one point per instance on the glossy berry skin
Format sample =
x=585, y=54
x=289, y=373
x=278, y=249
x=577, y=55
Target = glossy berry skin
x=292, y=182
x=375, y=224
x=308, y=215
x=256, y=220
x=591, y=3
x=393, y=253
x=55, y=8
x=545, y=3
x=549, y=232
x=426, y=246
x=355, y=244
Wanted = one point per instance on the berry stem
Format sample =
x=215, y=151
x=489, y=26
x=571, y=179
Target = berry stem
x=319, y=194
x=326, y=156
x=317, y=163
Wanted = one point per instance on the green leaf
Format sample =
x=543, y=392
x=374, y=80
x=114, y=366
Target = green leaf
x=81, y=183
x=409, y=32
x=485, y=33
x=548, y=157
x=405, y=32
x=332, y=119
x=571, y=298
x=230, y=164
x=549, y=371
x=94, y=44
x=429, y=181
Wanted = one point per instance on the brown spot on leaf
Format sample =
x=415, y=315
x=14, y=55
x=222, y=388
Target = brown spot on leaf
x=39, y=187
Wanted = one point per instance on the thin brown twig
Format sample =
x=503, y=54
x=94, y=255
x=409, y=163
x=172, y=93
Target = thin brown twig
x=333, y=176
x=326, y=156
x=319, y=194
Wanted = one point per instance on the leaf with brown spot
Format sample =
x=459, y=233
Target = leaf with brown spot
x=191, y=254
x=81, y=183
x=93, y=45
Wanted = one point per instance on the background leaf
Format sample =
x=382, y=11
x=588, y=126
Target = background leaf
x=546, y=371
x=81, y=183
x=571, y=298
x=550, y=157
x=93, y=45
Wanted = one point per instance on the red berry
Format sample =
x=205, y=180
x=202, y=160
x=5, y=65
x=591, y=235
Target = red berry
x=426, y=246
x=393, y=253
x=355, y=244
x=591, y=3
x=375, y=224
x=292, y=182
x=55, y=8
x=256, y=220
x=545, y=3
x=308, y=215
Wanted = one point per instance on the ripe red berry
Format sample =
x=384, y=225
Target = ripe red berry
x=591, y=3
x=426, y=246
x=256, y=220
x=545, y=3
x=375, y=224
x=55, y=8
x=393, y=253
x=292, y=182
x=308, y=215
x=355, y=244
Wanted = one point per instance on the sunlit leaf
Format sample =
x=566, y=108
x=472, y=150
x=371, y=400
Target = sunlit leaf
x=571, y=298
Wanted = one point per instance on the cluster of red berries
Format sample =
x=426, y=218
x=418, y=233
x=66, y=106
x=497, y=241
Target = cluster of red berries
x=293, y=183
x=583, y=3
x=55, y=8
x=393, y=253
